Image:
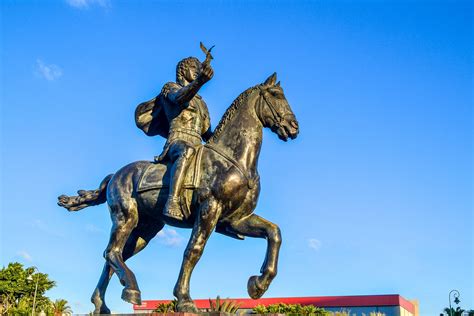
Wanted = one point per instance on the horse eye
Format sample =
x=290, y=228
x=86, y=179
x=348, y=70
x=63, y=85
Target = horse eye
x=277, y=94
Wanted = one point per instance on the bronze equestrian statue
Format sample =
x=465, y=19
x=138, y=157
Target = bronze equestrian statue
x=220, y=192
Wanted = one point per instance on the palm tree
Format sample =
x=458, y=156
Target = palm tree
x=454, y=312
x=61, y=308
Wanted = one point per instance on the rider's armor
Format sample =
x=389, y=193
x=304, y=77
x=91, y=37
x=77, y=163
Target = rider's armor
x=188, y=122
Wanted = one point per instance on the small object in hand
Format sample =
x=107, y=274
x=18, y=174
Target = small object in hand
x=207, y=52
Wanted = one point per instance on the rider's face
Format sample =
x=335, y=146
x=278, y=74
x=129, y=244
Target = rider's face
x=191, y=73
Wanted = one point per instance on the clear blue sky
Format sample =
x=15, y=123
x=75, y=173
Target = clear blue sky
x=374, y=197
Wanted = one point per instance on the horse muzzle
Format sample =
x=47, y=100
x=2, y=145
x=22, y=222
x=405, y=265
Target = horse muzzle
x=287, y=129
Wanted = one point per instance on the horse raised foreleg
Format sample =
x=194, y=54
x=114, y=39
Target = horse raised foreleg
x=255, y=226
x=205, y=223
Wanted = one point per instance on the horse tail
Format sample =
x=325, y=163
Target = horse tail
x=86, y=197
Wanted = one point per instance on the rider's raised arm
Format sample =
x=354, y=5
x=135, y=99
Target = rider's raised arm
x=184, y=94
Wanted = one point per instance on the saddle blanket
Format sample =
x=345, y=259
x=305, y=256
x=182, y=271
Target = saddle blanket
x=157, y=175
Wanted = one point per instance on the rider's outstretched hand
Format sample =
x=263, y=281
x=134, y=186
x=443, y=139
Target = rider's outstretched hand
x=207, y=72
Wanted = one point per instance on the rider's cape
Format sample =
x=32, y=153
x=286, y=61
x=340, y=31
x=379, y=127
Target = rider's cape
x=150, y=117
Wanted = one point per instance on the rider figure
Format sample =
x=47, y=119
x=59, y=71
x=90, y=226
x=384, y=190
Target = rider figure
x=187, y=118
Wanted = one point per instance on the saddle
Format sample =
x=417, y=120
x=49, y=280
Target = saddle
x=157, y=176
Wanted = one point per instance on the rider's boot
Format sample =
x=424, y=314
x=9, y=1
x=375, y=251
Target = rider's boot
x=178, y=173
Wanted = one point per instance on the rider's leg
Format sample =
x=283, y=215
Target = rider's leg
x=184, y=153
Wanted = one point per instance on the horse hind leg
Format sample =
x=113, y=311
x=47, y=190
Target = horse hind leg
x=138, y=240
x=98, y=297
x=125, y=219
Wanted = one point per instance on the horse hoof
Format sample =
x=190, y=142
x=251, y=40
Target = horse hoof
x=132, y=296
x=102, y=311
x=187, y=307
x=254, y=288
x=100, y=307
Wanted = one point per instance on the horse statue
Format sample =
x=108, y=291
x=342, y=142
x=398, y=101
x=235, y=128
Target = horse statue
x=222, y=196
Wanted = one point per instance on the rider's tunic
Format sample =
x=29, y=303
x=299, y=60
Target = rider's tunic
x=187, y=122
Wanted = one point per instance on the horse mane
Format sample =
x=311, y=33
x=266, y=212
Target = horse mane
x=230, y=112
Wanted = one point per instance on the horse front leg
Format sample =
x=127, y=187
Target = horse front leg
x=209, y=213
x=256, y=226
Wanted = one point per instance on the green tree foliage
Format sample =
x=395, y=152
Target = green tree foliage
x=60, y=307
x=454, y=312
x=17, y=289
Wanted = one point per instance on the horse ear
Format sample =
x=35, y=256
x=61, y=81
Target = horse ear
x=278, y=84
x=271, y=80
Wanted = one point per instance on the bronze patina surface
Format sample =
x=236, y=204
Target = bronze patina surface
x=221, y=195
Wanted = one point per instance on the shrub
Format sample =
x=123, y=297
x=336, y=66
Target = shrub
x=227, y=306
x=166, y=307
x=291, y=309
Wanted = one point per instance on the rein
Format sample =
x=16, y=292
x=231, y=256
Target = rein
x=277, y=117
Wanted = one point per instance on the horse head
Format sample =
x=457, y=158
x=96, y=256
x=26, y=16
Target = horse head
x=274, y=111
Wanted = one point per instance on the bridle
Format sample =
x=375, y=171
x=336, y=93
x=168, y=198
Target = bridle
x=278, y=117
